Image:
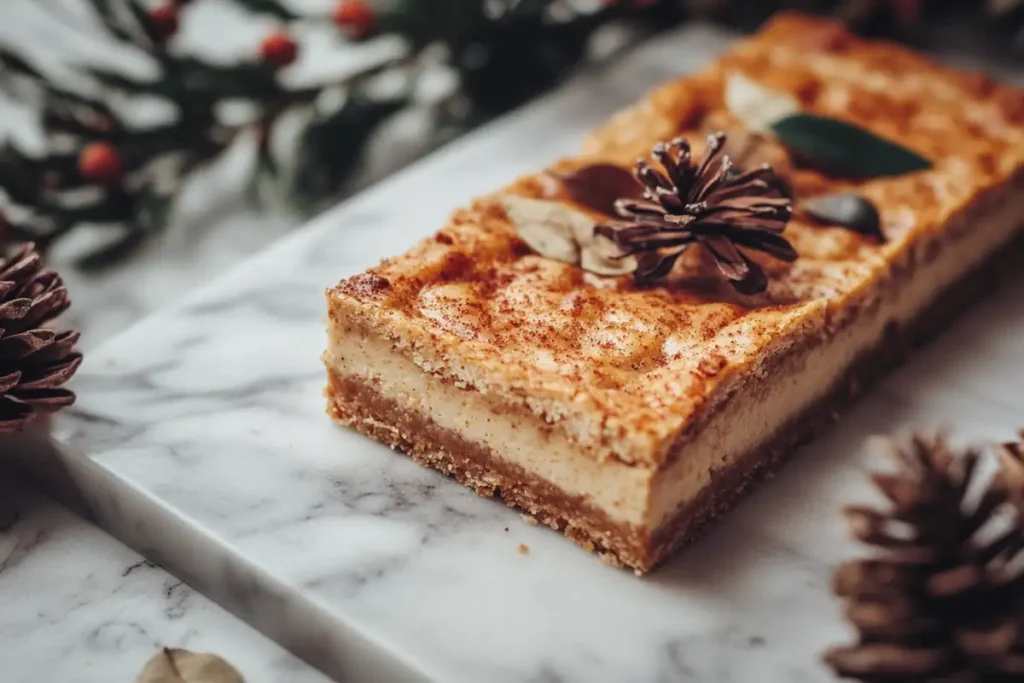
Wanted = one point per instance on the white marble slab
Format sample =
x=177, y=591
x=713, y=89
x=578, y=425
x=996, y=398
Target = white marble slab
x=79, y=606
x=200, y=439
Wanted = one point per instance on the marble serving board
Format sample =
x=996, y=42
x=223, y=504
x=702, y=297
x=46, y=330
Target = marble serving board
x=200, y=439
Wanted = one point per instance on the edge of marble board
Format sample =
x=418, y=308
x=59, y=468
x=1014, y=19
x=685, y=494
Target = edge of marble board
x=345, y=652
x=279, y=611
x=132, y=515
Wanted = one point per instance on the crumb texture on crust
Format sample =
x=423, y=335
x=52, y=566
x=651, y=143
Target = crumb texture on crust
x=359, y=405
x=474, y=304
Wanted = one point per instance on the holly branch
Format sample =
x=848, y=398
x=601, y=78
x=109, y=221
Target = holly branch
x=101, y=169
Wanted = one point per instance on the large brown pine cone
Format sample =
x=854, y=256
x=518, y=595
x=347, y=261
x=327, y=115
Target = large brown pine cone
x=34, y=360
x=941, y=600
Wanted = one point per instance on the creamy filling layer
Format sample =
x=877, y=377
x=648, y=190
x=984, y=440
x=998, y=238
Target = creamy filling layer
x=524, y=440
x=750, y=417
x=759, y=409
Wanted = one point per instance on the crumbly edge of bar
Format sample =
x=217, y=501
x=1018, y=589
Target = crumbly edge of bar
x=896, y=346
x=360, y=406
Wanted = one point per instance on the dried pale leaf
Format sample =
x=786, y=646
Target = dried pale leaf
x=549, y=228
x=744, y=147
x=757, y=106
x=183, y=666
x=598, y=257
x=561, y=233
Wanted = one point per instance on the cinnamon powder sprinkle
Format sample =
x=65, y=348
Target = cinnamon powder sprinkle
x=711, y=366
x=364, y=284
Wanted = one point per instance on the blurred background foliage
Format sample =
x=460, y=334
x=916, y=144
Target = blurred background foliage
x=118, y=144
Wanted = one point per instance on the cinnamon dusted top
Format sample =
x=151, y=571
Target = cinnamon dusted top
x=476, y=304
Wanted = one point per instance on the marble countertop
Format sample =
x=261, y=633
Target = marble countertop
x=193, y=448
x=77, y=605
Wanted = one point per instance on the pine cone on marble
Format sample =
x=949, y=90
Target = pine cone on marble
x=941, y=599
x=1011, y=457
x=34, y=361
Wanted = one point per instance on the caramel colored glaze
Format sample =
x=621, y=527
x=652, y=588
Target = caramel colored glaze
x=646, y=360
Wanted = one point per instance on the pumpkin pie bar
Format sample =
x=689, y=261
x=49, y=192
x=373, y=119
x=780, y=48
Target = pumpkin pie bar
x=627, y=411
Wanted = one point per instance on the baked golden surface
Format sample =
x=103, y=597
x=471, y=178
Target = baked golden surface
x=623, y=369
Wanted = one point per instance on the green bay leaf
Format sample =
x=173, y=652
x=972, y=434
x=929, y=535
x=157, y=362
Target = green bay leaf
x=845, y=149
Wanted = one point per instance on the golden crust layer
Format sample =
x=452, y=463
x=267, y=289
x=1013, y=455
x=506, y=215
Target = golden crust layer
x=358, y=404
x=624, y=370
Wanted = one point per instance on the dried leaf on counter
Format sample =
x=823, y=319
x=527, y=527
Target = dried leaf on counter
x=182, y=666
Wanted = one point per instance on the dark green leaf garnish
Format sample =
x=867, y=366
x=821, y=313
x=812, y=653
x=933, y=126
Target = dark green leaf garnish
x=845, y=149
x=847, y=210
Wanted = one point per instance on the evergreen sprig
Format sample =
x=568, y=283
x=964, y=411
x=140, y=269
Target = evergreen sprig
x=101, y=169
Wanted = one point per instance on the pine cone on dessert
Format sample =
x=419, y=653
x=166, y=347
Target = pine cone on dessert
x=34, y=361
x=941, y=600
x=707, y=203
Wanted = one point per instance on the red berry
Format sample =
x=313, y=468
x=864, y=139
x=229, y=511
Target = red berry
x=100, y=163
x=279, y=49
x=164, y=21
x=355, y=17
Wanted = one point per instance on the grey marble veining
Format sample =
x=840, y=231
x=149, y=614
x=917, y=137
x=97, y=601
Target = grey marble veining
x=76, y=605
x=200, y=439
x=70, y=609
